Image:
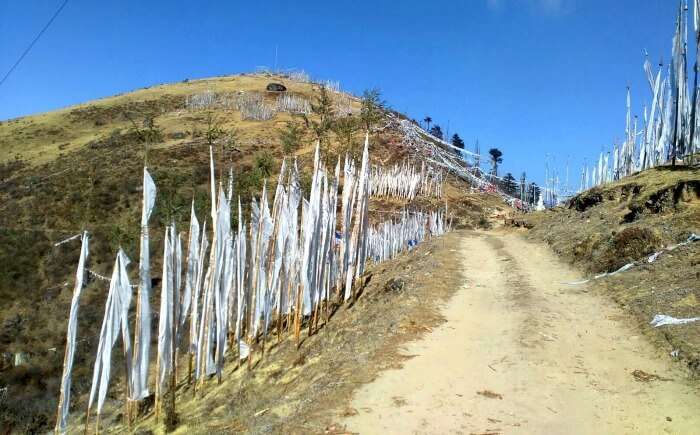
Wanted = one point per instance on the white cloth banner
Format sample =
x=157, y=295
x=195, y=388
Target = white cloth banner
x=116, y=310
x=64, y=401
x=662, y=319
x=142, y=333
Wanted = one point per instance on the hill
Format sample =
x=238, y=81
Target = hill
x=640, y=221
x=81, y=167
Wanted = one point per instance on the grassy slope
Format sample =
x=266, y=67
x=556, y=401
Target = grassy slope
x=80, y=167
x=606, y=227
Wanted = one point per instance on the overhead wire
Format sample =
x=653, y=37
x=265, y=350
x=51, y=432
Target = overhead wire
x=34, y=41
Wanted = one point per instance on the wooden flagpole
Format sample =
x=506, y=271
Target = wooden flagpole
x=173, y=336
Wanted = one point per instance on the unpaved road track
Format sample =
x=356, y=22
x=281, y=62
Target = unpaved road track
x=522, y=353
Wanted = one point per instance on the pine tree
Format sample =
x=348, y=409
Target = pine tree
x=457, y=141
x=371, y=108
x=436, y=131
x=291, y=137
x=496, y=159
x=324, y=113
x=508, y=184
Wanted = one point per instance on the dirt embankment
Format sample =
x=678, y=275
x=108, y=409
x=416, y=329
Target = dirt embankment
x=604, y=228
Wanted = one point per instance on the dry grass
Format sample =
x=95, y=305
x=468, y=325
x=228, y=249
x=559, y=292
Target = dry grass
x=662, y=203
x=43, y=137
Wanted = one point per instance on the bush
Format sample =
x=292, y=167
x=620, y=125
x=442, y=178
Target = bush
x=372, y=108
x=630, y=244
x=291, y=137
x=484, y=222
x=264, y=163
x=305, y=180
x=586, y=200
x=345, y=129
x=249, y=183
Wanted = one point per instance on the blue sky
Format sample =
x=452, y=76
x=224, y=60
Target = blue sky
x=531, y=77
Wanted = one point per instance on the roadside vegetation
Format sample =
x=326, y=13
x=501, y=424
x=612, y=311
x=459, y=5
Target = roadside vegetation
x=607, y=227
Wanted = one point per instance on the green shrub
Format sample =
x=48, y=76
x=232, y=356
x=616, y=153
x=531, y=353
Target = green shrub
x=249, y=183
x=291, y=137
x=264, y=164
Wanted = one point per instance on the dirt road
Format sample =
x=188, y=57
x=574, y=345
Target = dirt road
x=521, y=352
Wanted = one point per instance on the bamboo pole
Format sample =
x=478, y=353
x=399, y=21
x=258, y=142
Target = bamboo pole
x=297, y=314
x=137, y=328
x=61, y=398
x=126, y=389
x=189, y=369
x=289, y=301
x=328, y=294
x=194, y=384
x=87, y=420
x=250, y=356
x=262, y=354
x=206, y=335
x=173, y=341
x=312, y=316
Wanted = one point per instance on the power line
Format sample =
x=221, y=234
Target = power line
x=58, y=11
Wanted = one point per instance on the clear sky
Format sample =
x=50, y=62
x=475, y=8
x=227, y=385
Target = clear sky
x=531, y=77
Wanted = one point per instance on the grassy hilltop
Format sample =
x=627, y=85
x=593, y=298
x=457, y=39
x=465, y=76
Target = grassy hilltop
x=81, y=168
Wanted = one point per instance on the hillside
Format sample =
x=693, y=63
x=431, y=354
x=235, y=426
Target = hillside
x=608, y=227
x=81, y=167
